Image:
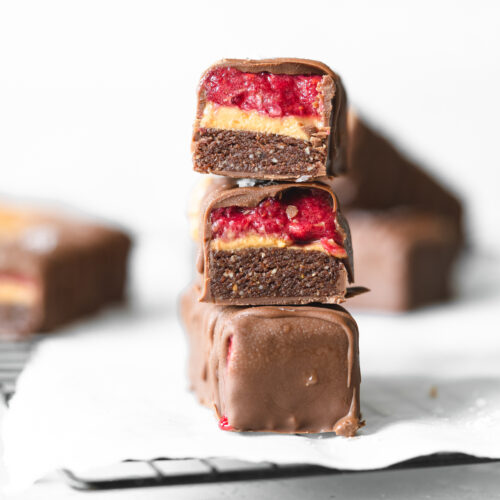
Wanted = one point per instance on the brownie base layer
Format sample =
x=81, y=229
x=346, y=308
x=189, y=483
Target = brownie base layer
x=257, y=276
x=17, y=320
x=251, y=154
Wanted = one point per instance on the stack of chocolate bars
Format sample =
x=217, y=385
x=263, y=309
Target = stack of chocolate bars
x=270, y=348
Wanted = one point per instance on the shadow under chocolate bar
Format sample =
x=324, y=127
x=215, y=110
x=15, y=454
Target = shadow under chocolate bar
x=55, y=269
x=292, y=369
x=280, y=119
x=273, y=244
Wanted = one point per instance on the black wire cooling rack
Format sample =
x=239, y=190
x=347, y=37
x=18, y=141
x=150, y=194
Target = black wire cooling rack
x=13, y=357
x=164, y=471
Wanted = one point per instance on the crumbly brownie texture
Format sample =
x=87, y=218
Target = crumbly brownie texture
x=280, y=275
x=283, y=369
x=253, y=154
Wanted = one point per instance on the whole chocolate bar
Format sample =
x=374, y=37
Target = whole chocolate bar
x=273, y=244
x=380, y=177
x=404, y=256
x=55, y=269
x=280, y=119
x=291, y=369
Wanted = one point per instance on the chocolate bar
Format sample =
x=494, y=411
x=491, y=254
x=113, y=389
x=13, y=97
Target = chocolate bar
x=273, y=244
x=404, y=256
x=380, y=177
x=292, y=369
x=55, y=269
x=280, y=119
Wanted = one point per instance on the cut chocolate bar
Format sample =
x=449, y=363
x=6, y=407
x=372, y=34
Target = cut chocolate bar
x=280, y=119
x=380, y=177
x=291, y=369
x=404, y=256
x=273, y=244
x=55, y=269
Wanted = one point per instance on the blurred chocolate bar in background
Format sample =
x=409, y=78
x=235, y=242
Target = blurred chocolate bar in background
x=380, y=177
x=55, y=269
x=406, y=227
x=404, y=256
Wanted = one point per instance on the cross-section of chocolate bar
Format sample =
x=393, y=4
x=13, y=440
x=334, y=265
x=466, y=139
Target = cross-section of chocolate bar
x=55, y=269
x=404, y=256
x=274, y=369
x=273, y=244
x=280, y=119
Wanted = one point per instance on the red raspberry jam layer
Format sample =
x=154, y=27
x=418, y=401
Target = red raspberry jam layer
x=224, y=424
x=18, y=278
x=299, y=216
x=273, y=95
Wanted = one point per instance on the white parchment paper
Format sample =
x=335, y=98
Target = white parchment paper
x=115, y=388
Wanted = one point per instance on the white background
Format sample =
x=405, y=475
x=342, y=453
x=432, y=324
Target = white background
x=97, y=98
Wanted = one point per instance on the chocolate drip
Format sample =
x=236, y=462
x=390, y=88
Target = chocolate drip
x=301, y=336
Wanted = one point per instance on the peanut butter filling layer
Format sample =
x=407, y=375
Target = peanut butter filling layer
x=233, y=118
x=13, y=291
x=12, y=222
x=258, y=241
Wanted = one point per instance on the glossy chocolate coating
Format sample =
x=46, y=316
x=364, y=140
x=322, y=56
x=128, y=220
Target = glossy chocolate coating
x=292, y=369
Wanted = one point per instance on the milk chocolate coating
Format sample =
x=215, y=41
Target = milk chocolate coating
x=288, y=369
x=328, y=145
x=404, y=256
x=288, y=276
x=380, y=177
x=77, y=266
